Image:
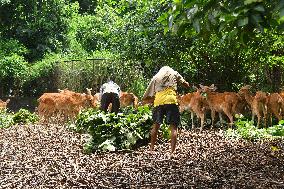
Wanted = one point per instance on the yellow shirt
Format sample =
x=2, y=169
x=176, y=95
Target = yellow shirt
x=166, y=96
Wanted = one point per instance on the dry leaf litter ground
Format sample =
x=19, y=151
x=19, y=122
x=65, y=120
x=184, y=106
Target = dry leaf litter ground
x=51, y=156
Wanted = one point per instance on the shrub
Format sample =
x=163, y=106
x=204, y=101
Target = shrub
x=13, y=73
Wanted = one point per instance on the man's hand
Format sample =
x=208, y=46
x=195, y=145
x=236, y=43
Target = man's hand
x=186, y=84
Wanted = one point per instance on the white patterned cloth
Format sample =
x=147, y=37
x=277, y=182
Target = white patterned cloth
x=110, y=87
x=166, y=77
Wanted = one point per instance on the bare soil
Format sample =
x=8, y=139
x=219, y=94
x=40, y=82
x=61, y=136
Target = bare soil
x=51, y=156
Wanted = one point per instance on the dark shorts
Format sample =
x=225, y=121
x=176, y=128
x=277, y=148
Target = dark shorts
x=110, y=98
x=171, y=111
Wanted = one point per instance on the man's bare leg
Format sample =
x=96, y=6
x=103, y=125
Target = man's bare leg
x=154, y=133
x=173, y=137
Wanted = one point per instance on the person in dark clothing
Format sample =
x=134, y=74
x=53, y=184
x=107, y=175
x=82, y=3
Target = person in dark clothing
x=110, y=95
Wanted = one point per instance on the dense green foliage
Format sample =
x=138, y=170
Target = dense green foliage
x=231, y=19
x=110, y=132
x=23, y=116
x=228, y=43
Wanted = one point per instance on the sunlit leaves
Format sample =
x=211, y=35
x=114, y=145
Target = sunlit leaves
x=2, y=2
x=246, y=129
x=246, y=2
x=40, y=26
x=249, y=16
x=6, y=119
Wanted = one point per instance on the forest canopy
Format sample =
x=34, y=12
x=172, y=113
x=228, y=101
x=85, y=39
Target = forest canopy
x=229, y=43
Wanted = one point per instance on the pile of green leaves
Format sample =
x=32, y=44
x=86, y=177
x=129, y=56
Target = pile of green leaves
x=110, y=132
x=246, y=130
x=23, y=116
x=6, y=119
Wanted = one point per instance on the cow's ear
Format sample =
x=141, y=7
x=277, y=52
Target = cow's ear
x=213, y=87
x=89, y=91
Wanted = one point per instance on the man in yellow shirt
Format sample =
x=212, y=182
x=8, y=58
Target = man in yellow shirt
x=163, y=88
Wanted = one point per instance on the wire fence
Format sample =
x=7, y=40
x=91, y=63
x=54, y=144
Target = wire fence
x=77, y=75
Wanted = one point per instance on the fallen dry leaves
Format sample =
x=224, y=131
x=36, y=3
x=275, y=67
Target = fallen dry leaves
x=50, y=156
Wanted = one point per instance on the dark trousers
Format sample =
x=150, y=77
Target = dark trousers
x=110, y=98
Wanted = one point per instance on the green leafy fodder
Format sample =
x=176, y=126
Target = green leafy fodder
x=246, y=130
x=110, y=132
x=6, y=119
x=24, y=116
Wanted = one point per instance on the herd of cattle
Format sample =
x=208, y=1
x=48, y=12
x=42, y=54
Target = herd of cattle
x=205, y=99
x=261, y=104
x=69, y=103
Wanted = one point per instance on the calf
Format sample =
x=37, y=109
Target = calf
x=184, y=105
x=275, y=106
x=258, y=103
x=147, y=101
x=67, y=103
x=96, y=100
x=226, y=103
x=128, y=99
x=3, y=104
x=199, y=105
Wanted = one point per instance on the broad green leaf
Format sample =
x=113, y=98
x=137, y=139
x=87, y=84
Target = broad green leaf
x=196, y=25
x=171, y=19
x=256, y=18
x=281, y=122
x=281, y=12
x=247, y=2
x=177, y=1
x=163, y=18
x=259, y=8
x=243, y=21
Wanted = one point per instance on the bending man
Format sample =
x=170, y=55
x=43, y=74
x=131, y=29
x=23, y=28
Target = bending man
x=163, y=87
x=110, y=95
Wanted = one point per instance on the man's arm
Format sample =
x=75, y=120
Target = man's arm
x=182, y=81
x=150, y=91
x=101, y=90
x=118, y=90
x=185, y=84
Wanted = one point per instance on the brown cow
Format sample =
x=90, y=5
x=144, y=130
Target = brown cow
x=66, y=103
x=3, y=104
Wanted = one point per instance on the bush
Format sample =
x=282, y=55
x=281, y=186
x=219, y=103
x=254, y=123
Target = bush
x=110, y=132
x=42, y=77
x=13, y=73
